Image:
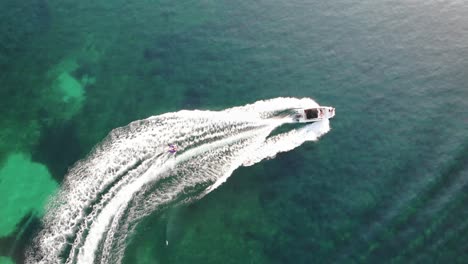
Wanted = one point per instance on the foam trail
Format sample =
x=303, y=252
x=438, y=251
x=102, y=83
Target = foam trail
x=288, y=141
x=131, y=174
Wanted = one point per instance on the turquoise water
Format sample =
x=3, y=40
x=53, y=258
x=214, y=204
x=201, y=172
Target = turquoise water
x=387, y=184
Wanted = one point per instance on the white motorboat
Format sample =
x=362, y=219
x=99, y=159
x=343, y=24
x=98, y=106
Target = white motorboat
x=313, y=114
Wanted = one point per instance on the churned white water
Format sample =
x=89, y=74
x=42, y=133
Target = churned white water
x=131, y=174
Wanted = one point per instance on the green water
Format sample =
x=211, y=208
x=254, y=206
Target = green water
x=388, y=183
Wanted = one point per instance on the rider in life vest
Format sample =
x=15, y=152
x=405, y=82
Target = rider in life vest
x=172, y=148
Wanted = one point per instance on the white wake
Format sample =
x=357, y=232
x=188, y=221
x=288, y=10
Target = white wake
x=131, y=174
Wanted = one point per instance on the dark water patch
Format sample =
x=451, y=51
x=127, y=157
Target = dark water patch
x=167, y=53
x=448, y=176
x=419, y=222
x=19, y=23
x=434, y=230
x=84, y=69
x=42, y=15
x=435, y=241
x=58, y=148
x=285, y=249
x=301, y=215
x=193, y=98
x=153, y=232
x=396, y=210
x=450, y=173
x=5, y=245
x=161, y=233
x=252, y=235
x=15, y=245
x=267, y=195
x=164, y=46
x=153, y=53
x=290, y=164
x=197, y=60
x=453, y=249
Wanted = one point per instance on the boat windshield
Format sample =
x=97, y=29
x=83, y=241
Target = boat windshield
x=311, y=113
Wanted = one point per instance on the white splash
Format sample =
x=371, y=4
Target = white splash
x=131, y=174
